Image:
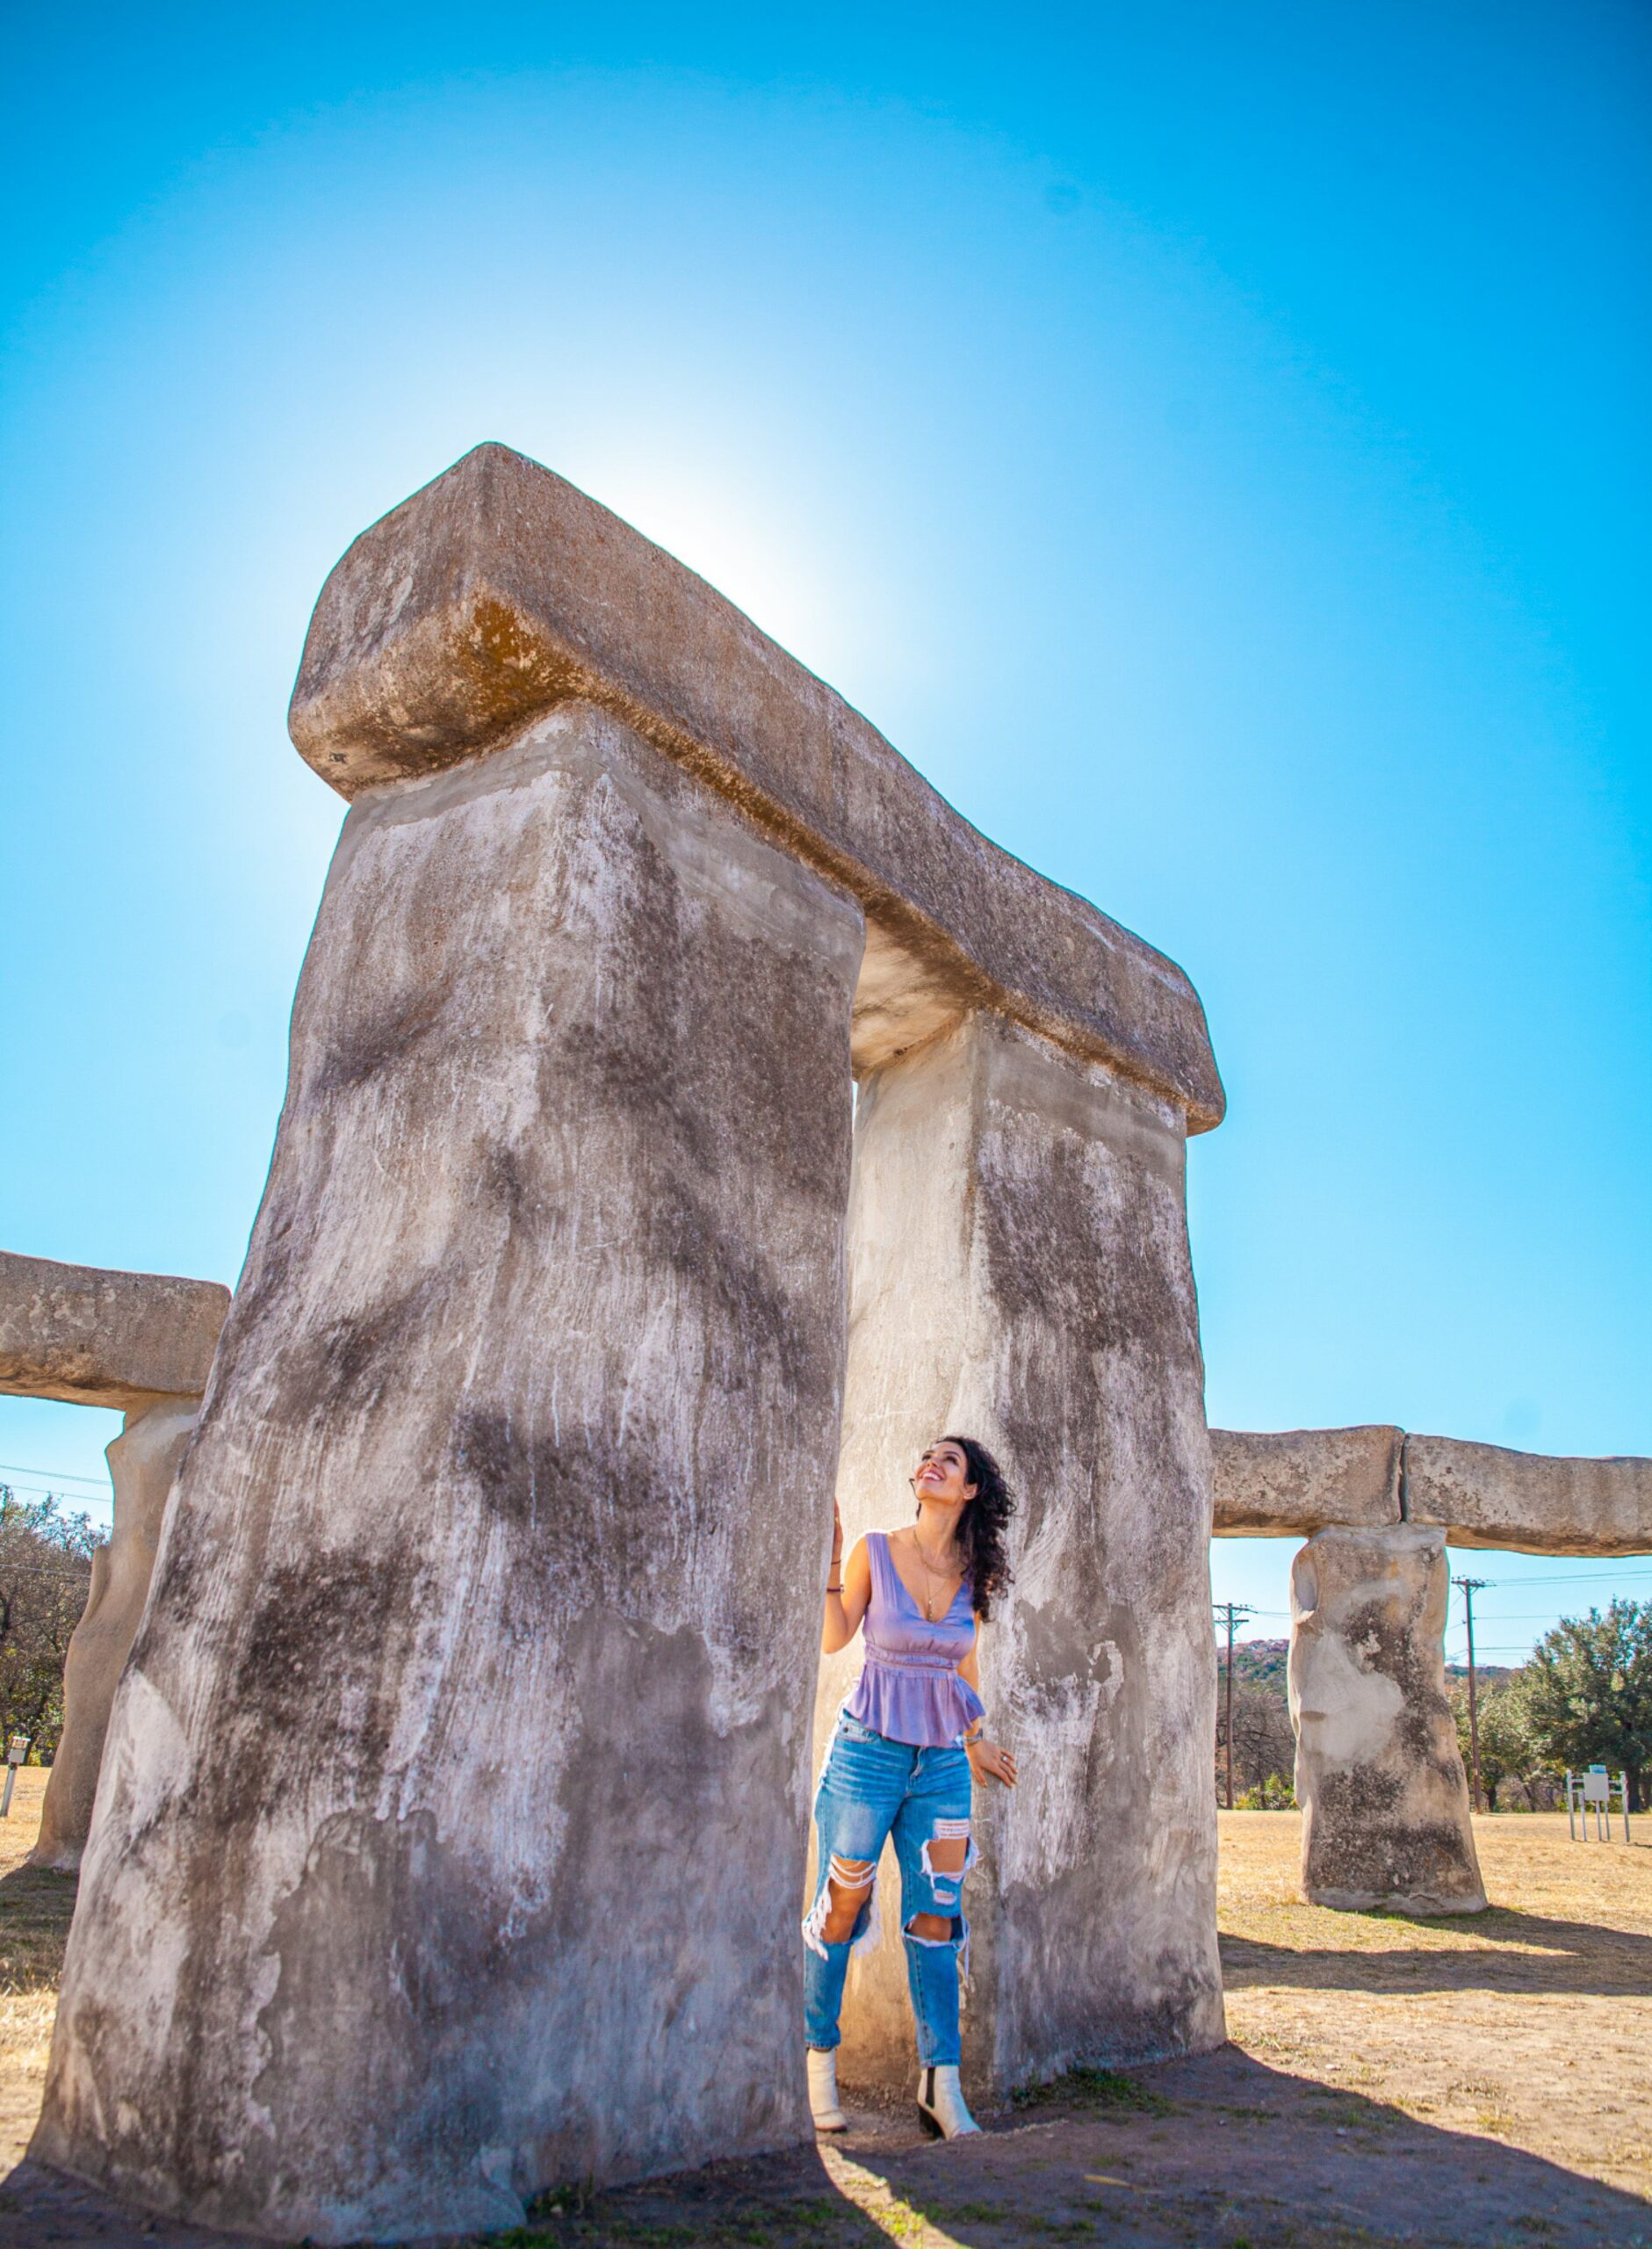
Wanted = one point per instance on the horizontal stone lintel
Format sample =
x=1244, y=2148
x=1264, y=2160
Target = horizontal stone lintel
x=98, y=1338
x=500, y=591
x=1291, y=1483
x=1295, y=1483
x=1529, y=1502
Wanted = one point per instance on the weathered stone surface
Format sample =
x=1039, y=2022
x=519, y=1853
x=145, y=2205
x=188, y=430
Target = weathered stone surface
x=498, y=591
x=142, y=1462
x=1020, y=1271
x=1295, y=1482
x=451, y=1828
x=1379, y=1776
x=99, y=1338
x=1290, y=1483
x=1533, y=1503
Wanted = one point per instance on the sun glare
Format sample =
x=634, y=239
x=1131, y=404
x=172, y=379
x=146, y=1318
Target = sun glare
x=758, y=554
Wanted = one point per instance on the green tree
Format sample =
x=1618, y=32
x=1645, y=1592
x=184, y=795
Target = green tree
x=1588, y=1690
x=1275, y=1794
x=1508, y=1751
x=45, y=1576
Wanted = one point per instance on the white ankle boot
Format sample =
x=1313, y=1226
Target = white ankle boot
x=940, y=2103
x=823, y=2093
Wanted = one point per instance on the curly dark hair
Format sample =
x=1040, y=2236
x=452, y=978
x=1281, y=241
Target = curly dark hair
x=981, y=1526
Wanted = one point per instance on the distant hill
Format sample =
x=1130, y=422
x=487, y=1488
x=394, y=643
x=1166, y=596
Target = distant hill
x=1266, y=1663
x=1261, y=1663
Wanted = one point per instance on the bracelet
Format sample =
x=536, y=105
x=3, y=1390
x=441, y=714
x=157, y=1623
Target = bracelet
x=834, y=1588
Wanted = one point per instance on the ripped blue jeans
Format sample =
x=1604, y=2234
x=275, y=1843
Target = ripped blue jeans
x=871, y=1789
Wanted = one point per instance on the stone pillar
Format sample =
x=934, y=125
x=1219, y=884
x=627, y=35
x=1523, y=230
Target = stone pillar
x=142, y=1462
x=450, y=1833
x=1379, y=1775
x=1019, y=1273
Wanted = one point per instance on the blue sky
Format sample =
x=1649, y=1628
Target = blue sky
x=1205, y=438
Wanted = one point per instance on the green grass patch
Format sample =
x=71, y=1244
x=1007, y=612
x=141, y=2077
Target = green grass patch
x=1107, y=2090
x=814, y=2215
x=571, y=2218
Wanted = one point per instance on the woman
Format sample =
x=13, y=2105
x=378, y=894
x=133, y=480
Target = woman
x=906, y=1744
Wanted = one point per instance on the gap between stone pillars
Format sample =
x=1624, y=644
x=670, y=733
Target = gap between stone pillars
x=452, y=1826
x=1378, y=1775
x=144, y=1461
x=1019, y=1272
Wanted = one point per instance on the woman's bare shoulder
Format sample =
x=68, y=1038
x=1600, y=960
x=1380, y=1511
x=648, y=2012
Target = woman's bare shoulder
x=860, y=1551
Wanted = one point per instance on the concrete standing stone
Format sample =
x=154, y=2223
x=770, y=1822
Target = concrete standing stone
x=142, y=1462
x=1019, y=1272
x=1379, y=1775
x=452, y=1829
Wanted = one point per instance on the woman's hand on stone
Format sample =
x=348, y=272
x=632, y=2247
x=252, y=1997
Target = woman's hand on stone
x=837, y=1538
x=988, y=1761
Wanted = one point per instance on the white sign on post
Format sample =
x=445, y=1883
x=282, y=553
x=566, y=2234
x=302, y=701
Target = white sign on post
x=1596, y=1791
x=17, y=1750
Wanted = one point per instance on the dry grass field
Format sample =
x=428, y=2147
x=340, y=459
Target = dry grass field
x=1530, y=2024
x=35, y=1910
x=1469, y=2082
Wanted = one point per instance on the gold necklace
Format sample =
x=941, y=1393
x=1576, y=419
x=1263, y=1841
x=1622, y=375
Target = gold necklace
x=930, y=1575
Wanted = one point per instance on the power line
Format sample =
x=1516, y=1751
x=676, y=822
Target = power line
x=56, y=1492
x=58, y=1475
x=1573, y=1577
x=1522, y=1617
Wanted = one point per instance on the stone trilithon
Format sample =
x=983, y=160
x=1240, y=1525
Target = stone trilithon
x=450, y=1836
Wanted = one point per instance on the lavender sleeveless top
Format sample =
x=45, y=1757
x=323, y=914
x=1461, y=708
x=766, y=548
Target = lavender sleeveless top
x=910, y=1689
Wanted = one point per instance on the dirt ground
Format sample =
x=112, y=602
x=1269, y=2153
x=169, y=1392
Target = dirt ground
x=1476, y=2081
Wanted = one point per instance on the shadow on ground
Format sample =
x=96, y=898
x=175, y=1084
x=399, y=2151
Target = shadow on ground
x=36, y=1907
x=1218, y=2149
x=1519, y=1952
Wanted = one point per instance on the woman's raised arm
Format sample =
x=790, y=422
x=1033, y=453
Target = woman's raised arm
x=987, y=1761
x=848, y=1590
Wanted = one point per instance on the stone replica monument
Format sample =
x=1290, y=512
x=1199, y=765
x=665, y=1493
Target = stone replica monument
x=141, y=1343
x=451, y=1837
x=450, y=1831
x=1379, y=1775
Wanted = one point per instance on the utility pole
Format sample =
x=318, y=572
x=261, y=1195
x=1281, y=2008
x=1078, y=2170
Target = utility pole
x=1468, y=1587
x=1232, y=1611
